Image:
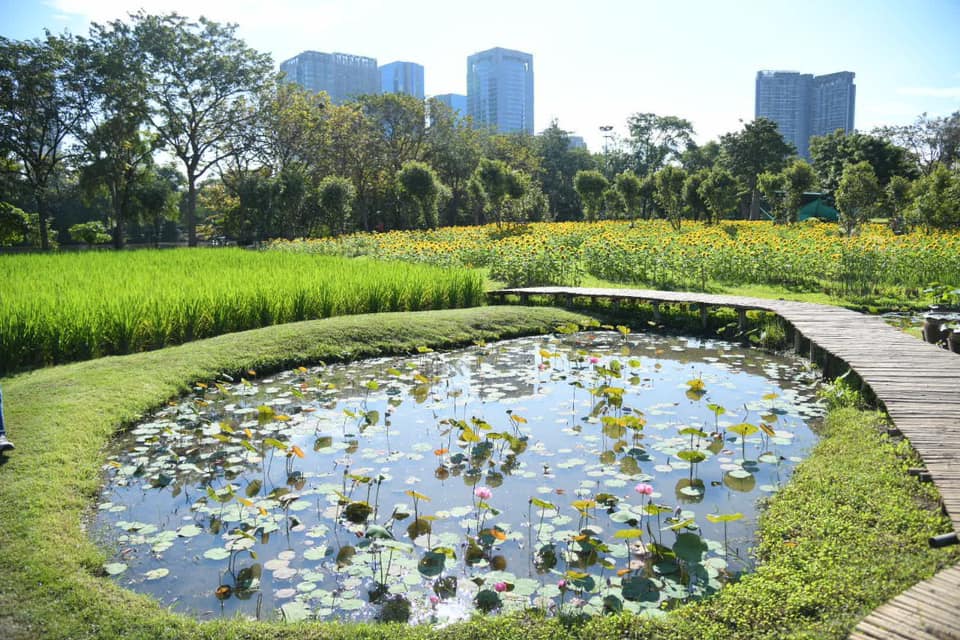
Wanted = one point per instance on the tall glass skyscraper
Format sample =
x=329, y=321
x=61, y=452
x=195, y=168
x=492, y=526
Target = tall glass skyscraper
x=342, y=75
x=500, y=90
x=456, y=101
x=804, y=105
x=402, y=77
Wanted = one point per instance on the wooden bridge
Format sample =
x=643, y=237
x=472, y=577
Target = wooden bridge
x=918, y=384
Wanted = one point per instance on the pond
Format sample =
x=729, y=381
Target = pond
x=583, y=472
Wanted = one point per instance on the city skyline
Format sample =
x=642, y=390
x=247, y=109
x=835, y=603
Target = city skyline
x=598, y=64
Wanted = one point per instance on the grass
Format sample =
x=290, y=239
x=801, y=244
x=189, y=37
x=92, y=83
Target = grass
x=58, y=308
x=847, y=533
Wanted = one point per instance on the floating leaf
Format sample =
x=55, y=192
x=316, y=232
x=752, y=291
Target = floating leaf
x=626, y=534
x=416, y=496
x=115, y=568
x=156, y=574
x=743, y=429
x=727, y=517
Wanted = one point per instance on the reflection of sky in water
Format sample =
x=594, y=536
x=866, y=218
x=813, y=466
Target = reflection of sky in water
x=178, y=544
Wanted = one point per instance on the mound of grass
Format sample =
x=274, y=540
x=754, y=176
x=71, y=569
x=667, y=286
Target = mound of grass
x=848, y=532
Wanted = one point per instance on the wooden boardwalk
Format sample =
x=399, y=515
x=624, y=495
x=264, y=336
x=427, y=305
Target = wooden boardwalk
x=918, y=384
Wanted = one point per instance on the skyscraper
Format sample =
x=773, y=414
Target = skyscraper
x=402, y=77
x=804, y=105
x=500, y=90
x=342, y=75
x=456, y=101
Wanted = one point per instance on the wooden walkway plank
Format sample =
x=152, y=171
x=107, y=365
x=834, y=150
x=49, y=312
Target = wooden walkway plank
x=918, y=384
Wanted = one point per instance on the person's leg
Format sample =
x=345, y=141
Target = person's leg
x=5, y=445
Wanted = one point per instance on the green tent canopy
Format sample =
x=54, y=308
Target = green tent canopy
x=815, y=207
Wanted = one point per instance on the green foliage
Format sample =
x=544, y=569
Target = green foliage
x=692, y=198
x=669, y=183
x=757, y=148
x=784, y=191
x=858, y=196
x=591, y=186
x=719, y=192
x=335, y=197
x=418, y=189
x=831, y=153
x=656, y=140
x=89, y=233
x=936, y=200
x=839, y=393
x=13, y=224
x=630, y=189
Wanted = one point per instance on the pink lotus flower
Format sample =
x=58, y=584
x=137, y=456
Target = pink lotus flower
x=500, y=587
x=483, y=493
x=561, y=584
x=594, y=359
x=643, y=489
x=434, y=600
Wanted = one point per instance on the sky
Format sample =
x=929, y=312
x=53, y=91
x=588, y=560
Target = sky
x=598, y=62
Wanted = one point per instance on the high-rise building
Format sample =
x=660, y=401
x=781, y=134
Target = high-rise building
x=342, y=75
x=834, y=97
x=402, y=77
x=804, y=105
x=500, y=90
x=456, y=101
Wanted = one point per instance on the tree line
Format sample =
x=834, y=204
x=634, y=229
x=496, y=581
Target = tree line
x=158, y=125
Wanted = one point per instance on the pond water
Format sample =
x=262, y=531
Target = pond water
x=591, y=471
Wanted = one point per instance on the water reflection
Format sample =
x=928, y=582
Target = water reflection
x=494, y=477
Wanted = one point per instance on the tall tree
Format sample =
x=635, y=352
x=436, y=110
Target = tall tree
x=110, y=82
x=656, y=140
x=558, y=165
x=931, y=141
x=696, y=157
x=202, y=77
x=37, y=112
x=453, y=149
x=747, y=153
x=833, y=152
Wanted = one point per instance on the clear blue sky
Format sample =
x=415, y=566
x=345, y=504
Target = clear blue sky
x=597, y=62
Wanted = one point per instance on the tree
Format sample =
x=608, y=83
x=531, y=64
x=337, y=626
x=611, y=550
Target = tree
x=936, y=200
x=558, y=166
x=495, y=178
x=110, y=83
x=453, y=149
x=930, y=141
x=630, y=188
x=669, y=193
x=858, y=196
x=37, y=112
x=201, y=78
x=591, y=186
x=897, y=198
x=757, y=148
x=784, y=191
x=400, y=123
x=13, y=224
x=832, y=152
x=418, y=189
x=720, y=192
x=691, y=195
x=89, y=233
x=696, y=157
x=656, y=140
x=157, y=199
x=335, y=196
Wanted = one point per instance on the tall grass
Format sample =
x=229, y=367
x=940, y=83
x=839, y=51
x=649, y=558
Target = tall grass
x=67, y=307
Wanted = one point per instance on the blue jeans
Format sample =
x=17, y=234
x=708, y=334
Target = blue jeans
x=3, y=431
